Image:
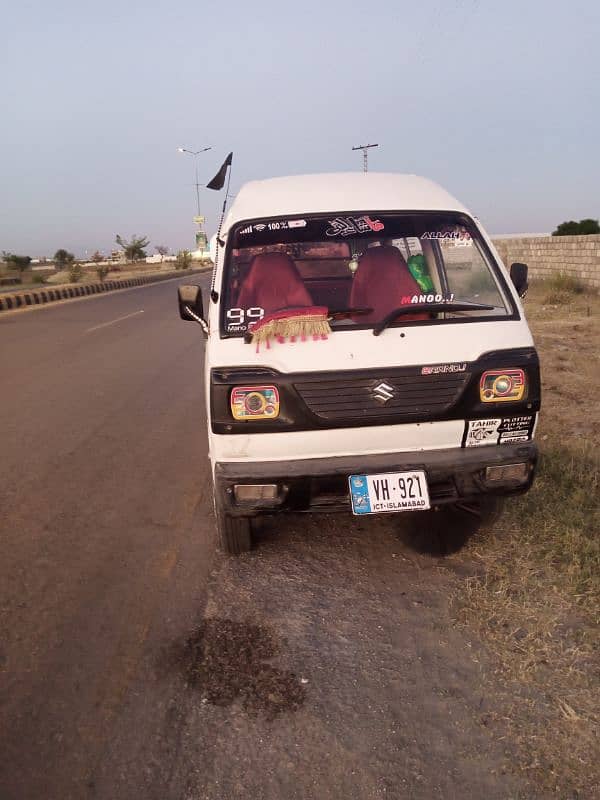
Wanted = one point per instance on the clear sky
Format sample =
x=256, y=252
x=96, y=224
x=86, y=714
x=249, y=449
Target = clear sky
x=497, y=101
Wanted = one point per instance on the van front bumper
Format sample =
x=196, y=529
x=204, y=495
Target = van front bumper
x=321, y=484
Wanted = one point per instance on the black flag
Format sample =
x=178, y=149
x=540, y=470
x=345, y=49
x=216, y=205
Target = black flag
x=219, y=180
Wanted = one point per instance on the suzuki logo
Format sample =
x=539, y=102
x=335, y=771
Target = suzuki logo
x=383, y=392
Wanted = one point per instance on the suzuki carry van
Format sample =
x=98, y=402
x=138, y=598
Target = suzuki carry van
x=366, y=352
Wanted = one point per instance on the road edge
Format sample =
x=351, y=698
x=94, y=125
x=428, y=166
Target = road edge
x=43, y=297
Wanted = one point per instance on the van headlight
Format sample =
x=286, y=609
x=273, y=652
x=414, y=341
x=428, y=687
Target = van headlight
x=254, y=402
x=502, y=385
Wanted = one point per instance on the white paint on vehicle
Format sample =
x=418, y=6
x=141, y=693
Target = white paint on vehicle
x=331, y=442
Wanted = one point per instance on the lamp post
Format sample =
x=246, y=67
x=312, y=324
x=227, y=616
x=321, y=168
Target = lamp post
x=195, y=153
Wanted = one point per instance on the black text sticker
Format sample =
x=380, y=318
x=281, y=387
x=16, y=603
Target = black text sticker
x=510, y=430
x=347, y=226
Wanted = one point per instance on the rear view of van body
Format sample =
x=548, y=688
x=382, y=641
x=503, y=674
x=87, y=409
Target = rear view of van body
x=366, y=351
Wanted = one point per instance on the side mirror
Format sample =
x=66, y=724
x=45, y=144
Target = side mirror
x=190, y=299
x=518, y=275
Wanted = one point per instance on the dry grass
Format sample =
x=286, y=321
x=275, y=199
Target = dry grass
x=561, y=289
x=536, y=599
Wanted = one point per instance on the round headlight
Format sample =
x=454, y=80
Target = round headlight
x=255, y=403
x=503, y=385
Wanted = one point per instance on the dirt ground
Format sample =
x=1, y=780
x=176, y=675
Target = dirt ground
x=399, y=657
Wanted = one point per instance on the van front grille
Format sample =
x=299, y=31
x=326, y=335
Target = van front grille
x=383, y=395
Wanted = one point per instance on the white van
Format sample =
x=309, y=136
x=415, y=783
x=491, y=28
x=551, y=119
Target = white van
x=367, y=351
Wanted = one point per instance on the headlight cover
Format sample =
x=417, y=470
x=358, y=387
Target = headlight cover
x=502, y=386
x=254, y=402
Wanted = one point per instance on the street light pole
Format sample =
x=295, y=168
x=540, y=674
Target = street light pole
x=195, y=153
x=364, y=148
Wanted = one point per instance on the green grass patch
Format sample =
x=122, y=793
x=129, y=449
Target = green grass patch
x=560, y=520
x=534, y=602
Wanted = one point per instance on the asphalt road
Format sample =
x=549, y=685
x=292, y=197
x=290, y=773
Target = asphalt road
x=324, y=665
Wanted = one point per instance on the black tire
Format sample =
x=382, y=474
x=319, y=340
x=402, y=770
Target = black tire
x=234, y=534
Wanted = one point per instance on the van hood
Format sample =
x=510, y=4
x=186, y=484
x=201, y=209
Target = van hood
x=412, y=345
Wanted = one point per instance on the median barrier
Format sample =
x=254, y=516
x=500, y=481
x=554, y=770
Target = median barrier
x=42, y=296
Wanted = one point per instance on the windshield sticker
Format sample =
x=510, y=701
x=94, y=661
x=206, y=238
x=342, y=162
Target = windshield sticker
x=458, y=236
x=239, y=320
x=415, y=299
x=438, y=369
x=346, y=226
x=277, y=225
x=510, y=430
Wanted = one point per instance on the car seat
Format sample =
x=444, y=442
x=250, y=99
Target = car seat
x=382, y=281
x=272, y=283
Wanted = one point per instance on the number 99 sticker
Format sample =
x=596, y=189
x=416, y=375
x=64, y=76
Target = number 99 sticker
x=242, y=319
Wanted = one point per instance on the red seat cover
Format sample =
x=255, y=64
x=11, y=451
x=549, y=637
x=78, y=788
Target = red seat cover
x=273, y=282
x=383, y=282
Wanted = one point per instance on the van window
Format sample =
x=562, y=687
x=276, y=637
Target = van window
x=466, y=268
x=360, y=267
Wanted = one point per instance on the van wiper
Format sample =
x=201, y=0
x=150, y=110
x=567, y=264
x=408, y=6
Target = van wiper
x=427, y=307
x=342, y=313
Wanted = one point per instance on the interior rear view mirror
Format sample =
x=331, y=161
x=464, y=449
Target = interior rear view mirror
x=190, y=300
x=518, y=275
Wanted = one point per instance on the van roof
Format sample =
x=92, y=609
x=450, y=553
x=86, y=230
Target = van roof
x=337, y=192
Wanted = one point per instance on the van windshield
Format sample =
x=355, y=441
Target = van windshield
x=361, y=267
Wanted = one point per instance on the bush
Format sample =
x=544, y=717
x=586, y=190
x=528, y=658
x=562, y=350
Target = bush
x=561, y=282
x=39, y=279
x=102, y=271
x=75, y=272
x=184, y=259
x=561, y=289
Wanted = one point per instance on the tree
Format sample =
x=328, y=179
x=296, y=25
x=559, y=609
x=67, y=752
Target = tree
x=588, y=226
x=62, y=258
x=16, y=262
x=162, y=251
x=581, y=228
x=134, y=248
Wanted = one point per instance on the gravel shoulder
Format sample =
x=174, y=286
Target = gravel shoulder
x=331, y=668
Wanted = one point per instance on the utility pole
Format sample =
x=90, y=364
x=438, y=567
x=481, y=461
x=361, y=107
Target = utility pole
x=364, y=148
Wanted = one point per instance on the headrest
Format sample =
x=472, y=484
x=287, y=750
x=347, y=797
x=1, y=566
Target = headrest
x=383, y=256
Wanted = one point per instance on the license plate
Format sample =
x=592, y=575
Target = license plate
x=391, y=491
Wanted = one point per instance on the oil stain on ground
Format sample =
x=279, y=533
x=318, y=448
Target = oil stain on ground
x=229, y=661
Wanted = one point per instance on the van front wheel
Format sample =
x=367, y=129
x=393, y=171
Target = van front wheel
x=234, y=534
